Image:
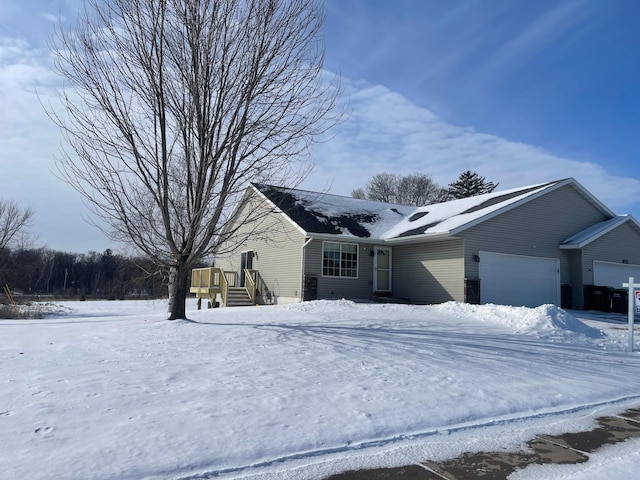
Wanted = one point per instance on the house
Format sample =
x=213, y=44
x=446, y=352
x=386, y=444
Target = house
x=529, y=246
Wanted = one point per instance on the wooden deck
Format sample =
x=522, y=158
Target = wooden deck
x=209, y=282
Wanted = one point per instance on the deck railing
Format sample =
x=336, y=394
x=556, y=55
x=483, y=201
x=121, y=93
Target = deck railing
x=250, y=277
x=208, y=282
x=205, y=278
x=224, y=287
x=231, y=278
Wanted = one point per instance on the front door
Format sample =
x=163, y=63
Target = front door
x=246, y=261
x=382, y=269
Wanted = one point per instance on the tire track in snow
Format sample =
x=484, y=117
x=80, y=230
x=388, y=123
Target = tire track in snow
x=417, y=436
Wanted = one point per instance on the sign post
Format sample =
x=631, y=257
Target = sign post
x=634, y=306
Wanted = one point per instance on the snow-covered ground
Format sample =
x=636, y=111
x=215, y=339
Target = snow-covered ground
x=111, y=390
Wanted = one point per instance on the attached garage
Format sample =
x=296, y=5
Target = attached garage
x=519, y=280
x=610, y=274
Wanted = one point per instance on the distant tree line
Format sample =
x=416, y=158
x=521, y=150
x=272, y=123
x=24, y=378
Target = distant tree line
x=419, y=189
x=106, y=275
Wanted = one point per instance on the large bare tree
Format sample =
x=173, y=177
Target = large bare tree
x=173, y=106
x=416, y=189
x=14, y=222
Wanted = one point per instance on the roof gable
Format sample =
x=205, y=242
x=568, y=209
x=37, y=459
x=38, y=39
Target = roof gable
x=585, y=237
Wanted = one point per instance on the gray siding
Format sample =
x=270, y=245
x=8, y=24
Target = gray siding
x=536, y=229
x=429, y=272
x=622, y=243
x=334, y=287
x=278, y=254
x=576, y=278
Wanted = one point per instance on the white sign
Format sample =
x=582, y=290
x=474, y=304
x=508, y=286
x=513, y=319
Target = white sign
x=633, y=294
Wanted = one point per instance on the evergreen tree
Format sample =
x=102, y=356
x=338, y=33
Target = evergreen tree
x=470, y=184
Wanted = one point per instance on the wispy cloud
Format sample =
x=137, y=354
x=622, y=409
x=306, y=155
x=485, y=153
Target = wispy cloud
x=55, y=19
x=537, y=36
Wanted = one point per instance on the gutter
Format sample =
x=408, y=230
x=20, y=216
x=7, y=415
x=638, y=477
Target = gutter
x=302, y=266
x=432, y=237
x=346, y=238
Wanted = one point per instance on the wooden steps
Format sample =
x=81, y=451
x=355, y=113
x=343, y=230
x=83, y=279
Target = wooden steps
x=238, y=297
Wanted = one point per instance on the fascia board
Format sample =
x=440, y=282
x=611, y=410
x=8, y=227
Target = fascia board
x=572, y=246
x=381, y=241
x=340, y=238
x=421, y=238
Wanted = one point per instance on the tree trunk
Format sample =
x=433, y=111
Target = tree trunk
x=178, y=286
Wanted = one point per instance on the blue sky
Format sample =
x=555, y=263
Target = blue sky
x=521, y=91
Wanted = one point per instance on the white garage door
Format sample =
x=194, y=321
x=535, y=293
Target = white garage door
x=614, y=274
x=519, y=280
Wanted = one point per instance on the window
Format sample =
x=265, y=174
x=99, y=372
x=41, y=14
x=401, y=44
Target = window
x=340, y=259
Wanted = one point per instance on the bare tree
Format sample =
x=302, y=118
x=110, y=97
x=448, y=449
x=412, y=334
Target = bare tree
x=359, y=193
x=175, y=105
x=383, y=187
x=14, y=222
x=417, y=189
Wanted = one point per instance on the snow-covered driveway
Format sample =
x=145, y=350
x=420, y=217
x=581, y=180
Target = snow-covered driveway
x=113, y=391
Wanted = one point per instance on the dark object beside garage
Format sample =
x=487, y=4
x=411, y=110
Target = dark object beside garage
x=620, y=301
x=310, y=288
x=566, y=296
x=597, y=297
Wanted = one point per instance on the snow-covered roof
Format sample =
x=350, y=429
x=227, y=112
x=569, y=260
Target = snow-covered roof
x=323, y=213
x=327, y=214
x=448, y=218
x=594, y=232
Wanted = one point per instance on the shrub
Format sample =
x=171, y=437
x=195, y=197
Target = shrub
x=29, y=310
x=9, y=312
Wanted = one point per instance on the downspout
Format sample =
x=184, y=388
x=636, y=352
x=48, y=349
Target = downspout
x=302, y=266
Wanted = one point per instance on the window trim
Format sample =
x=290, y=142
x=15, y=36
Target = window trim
x=340, y=267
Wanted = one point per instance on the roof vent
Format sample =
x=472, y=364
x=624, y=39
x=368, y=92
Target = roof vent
x=417, y=215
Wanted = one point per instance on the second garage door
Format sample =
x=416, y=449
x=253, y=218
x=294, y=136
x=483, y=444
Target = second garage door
x=614, y=274
x=519, y=280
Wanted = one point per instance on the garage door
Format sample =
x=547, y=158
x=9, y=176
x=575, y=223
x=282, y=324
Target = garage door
x=614, y=274
x=519, y=280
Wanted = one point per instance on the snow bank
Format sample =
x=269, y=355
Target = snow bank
x=545, y=321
